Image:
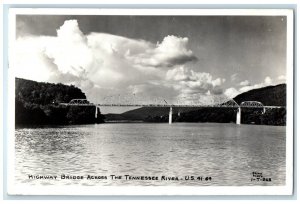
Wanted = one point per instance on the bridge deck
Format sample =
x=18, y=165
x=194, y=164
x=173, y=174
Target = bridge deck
x=167, y=105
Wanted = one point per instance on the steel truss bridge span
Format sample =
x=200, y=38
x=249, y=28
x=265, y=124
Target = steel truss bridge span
x=228, y=104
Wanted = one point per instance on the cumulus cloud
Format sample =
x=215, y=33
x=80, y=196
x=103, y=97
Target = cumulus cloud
x=97, y=59
x=281, y=77
x=171, y=51
x=231, y=92
x=268, y=80
x=29, y=60
x=245, y=83
x=193, y=85
x=152, y=93
x=218, y=82
x=104, y=64
x=246, y=86
x=69, y=50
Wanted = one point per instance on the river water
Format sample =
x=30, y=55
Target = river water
x=200, y=154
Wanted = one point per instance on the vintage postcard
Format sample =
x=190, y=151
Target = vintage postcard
x=150, y=102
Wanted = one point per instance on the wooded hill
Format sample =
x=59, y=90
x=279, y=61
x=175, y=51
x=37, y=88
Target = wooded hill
x=37, y=103
x=269, y=96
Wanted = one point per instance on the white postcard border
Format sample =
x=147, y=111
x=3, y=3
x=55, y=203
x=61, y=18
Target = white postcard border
x=157, y=190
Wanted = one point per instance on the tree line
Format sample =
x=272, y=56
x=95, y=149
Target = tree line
x=37, y=103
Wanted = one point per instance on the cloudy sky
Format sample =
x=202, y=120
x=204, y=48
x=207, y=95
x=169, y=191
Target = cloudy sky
x=170, y=57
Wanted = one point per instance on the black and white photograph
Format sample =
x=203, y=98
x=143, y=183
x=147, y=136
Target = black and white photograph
x=151, y=101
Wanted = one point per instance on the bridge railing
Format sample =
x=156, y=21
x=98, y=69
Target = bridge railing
x=228, y=104
x=250, y=104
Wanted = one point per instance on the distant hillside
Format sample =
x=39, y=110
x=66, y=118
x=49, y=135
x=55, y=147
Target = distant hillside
x=271, y=95
x=146, y=112
x=36, y=103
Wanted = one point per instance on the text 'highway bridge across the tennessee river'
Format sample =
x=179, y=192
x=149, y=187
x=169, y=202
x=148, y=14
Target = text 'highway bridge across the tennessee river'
x=228, y=104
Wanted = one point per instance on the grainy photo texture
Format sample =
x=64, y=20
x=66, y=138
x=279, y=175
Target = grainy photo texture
x=133, y=100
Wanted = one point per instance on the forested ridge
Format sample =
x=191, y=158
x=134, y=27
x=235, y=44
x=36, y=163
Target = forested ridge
x=45, y=93
x=37, y=103
x=269, y=96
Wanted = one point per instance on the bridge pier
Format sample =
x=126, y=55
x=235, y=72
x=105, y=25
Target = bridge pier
x=170, y=115
x=239, y=116
x=96, y=112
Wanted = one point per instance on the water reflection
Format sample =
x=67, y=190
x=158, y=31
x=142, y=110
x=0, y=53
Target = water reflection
x=225, y=152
